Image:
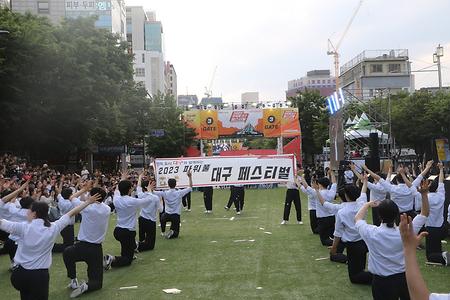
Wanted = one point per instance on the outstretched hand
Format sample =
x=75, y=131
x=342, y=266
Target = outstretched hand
x=424, y=187
x=94, y=198
x=409, y=238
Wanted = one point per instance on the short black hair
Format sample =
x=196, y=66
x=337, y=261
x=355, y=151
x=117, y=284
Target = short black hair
x=66, y=193
x=144, y=185
x=434, y=185
x=26, y=202
x=399, y=179
x=352, y=192
x=324, y=182
x=100, y=191
x=172, y=183
x=124, y=187
x=389, y=212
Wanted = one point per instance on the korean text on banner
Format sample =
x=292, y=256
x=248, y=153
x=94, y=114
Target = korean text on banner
x=443, y=150
x=192, y=119
x=211, y=171
x=290, y=125
x=272, y=122
x=208, y=125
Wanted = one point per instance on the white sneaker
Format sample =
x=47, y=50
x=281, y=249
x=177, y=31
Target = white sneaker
x=284, y=222
x=300, y=223
x=80, y=290
x=238, y=212
x=107, y=261
x=226, y=207
x=163, y=233
x=188, y=209
x=169, y=234
x=137, y=246
x=185, y=209
x=446, y=257
x=73, y=284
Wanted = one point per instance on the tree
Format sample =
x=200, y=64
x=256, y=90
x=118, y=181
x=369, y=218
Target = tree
x=313, y=117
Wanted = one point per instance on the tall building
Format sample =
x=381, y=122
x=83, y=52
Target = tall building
x=111, y=13
x=211, y=101
x=145, y=40
x=373, y=71
x=249, y=97
x=186, y=100
x=171, y=79
x=320, y=80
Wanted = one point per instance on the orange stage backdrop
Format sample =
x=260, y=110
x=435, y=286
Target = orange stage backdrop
x=272, y=122
x=208, y=124
x=290, y=126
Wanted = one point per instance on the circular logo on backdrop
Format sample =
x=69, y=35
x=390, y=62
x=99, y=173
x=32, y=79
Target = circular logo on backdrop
x=209, y=121
x=271, y=119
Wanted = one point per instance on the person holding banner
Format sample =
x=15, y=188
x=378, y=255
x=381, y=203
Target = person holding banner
x=172, y=198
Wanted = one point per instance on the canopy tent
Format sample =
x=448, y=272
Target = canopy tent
x=353, y=134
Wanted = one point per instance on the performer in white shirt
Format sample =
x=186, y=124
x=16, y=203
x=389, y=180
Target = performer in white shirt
x=34, y=257
x=148, y=215
x=386, y=259
x=292, y=195
x=172, y=199
x=125, y=231
x=325, y=219
x=312, y=202
x=93, y=228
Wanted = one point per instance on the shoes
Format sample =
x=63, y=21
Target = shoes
x=208, y=211
x=163, y=233
x=446, y=257
x=226, y=207
x=300, y=223
x=284, y=222
x=238, y=212
x=188, y=209
x=82, y=288
x=185, y=209
x=107, y=261
x=137, y=247
x=169, y=234
x=73, y=284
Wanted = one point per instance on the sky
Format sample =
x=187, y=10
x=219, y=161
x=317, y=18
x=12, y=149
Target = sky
x=259, y=45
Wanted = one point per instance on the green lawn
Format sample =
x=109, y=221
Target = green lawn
x=282, y=263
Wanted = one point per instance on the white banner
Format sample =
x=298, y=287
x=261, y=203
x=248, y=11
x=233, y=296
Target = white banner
x=230, y=170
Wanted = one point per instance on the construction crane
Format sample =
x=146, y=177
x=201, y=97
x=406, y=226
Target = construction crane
x=208, y=90
x=334, y=50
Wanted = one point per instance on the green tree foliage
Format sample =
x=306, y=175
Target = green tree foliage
x=70, y=87
x=313, y=117
x=262, y=143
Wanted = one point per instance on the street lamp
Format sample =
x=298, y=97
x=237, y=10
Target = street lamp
x=437, y=60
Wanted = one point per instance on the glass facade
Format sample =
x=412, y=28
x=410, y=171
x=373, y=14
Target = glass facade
x=153, y=38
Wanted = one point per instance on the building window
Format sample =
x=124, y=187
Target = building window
x=328, y=81
x=140, y=72
x=313, y=81
x=143, y=57
x=43, y=7
x=376, y=68
x=323, y=81
x=394, y=68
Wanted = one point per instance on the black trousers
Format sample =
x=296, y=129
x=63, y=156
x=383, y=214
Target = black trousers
x=376, y=220
x=356, y=262
x=11, y=248
x=239, y=197
x=68, y=235
x=32, y=284
x=433, y=244
x=161, y=213
x=326, y=230
x=186, y=200
x=207, y=197
x=232, y=196
x=127, y=246
x=292, y=195
x=174, y=220
x=92, y=255
x=147, y=234
x=390, y=288
x=3, y=235
x=313, y=221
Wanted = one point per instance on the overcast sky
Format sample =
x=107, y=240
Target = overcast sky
x=258, y=45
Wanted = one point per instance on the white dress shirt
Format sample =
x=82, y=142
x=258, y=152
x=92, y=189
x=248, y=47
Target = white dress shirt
x=436, y=201
x=312, y=197
x=94, y=223
x=434, y=296
x=345, y=227
x=348, y=176
x=172, y=198
x=291, y=185
x=36, y=241
x=377, y=191
x=66, y=205
x=402, y=195
x=385, y=246
x=17, y=215
x=126, y=209
x=328, y=196
x=150, y=210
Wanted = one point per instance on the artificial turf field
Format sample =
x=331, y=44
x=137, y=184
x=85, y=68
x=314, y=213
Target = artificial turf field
x=210, y=260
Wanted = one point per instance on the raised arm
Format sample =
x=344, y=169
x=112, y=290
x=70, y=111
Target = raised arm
x=76, y=210
x=363, y=210
x=373, y=174
x=189, y=174
x=364, y=181
x=427, y=168
x=14, y=194
x=353, y=168
x=401, y=171
x=441, y=172
x=86, y=188
x=423, y=190
x=332, y=176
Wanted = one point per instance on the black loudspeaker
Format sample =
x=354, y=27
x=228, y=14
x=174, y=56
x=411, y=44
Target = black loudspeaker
x=374, y=145
x=373, y=163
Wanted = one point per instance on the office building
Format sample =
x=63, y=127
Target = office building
x=186, y=100
x=373, y=72
x=320, y=80
x=170, y=79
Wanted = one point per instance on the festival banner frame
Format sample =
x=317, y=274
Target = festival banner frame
x=229, y=170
